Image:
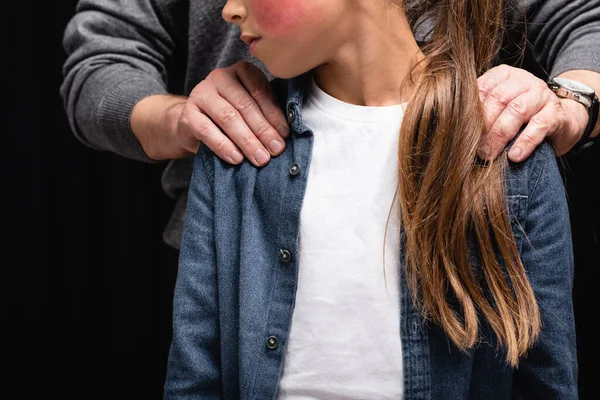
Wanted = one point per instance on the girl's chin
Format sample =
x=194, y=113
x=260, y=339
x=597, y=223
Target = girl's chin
x=283, y=71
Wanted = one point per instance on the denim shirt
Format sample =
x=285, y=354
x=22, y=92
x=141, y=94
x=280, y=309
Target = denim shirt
x=238, y=273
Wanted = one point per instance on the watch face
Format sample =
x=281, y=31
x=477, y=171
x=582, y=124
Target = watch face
x=575, y=86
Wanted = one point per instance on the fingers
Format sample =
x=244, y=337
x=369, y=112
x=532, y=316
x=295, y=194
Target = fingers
x=240, y=102
x=233, y=128
x=257, y=84
x=497, y=88
x=542, y=124
x=253, y=133
x=511, y=98
x=507, y=109
x=196, y=126
x=519, y=99
x=491, y=79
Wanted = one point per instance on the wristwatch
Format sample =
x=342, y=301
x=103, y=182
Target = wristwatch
x=574, y=90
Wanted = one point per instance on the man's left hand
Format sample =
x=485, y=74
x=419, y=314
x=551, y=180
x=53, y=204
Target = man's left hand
x=513, y=97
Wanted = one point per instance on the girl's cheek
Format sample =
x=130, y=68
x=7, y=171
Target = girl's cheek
x=280, y=17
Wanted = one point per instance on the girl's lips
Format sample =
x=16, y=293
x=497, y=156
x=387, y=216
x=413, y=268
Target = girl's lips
x=253, y=44
x=252, y=41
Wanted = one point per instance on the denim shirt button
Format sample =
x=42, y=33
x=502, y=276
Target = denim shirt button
x=291, y=115
x=272, y=343
x=294, y=169
x=415, y=327
x=285, y=255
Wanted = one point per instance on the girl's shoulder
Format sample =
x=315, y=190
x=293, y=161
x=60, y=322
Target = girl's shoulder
x=536, y=172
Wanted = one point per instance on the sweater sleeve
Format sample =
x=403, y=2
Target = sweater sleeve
x=118, y=52
x=564, y=34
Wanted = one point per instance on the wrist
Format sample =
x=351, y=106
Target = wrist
x=596, y=130
x=585, y=139
x=154, y=123
x=172, y=114
x=591, y=79
x=579, y=115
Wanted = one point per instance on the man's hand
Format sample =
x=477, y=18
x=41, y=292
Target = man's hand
x=233, y=111
x=513, y=97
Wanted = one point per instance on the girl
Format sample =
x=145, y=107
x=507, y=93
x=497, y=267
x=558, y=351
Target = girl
x=377, y=257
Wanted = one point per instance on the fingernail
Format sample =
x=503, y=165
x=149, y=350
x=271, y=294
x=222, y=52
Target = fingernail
x=515, y=154
x=236, y=157
x=276, y=146
x=283, y=130
x=261, y=156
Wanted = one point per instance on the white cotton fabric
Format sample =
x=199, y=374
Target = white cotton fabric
x=345, y=335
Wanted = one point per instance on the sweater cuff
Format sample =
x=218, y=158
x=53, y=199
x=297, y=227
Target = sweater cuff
x=110, y=100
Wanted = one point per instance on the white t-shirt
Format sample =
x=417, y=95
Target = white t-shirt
x=345, y=335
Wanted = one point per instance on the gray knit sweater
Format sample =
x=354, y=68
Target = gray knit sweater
x=120, y=51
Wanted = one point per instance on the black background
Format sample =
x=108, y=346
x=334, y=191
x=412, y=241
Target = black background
x=86, y=281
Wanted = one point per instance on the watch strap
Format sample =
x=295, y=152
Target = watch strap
x=594, y=113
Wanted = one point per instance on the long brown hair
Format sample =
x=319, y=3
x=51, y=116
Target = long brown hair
x=449, y=198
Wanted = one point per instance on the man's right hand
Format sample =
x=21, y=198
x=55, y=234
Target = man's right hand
x=233, y=111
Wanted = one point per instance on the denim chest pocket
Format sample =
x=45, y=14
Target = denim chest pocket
x=517, y=211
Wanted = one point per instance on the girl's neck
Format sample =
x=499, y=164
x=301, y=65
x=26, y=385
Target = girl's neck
x=369, y=68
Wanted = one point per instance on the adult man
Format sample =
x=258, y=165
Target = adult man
x=152, y=80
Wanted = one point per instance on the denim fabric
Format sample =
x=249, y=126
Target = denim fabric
x=236, y=285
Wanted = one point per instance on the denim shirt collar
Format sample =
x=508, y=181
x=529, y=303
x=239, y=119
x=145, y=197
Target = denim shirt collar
x=296, y=91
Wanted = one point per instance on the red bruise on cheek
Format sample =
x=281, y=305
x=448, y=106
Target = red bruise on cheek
x=279, y=17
